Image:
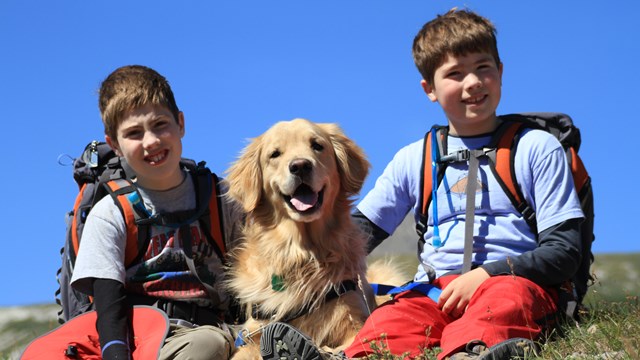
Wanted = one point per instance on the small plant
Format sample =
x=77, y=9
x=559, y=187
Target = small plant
x=381, y=351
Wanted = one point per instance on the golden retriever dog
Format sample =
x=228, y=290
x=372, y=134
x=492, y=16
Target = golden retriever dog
x=302, y=259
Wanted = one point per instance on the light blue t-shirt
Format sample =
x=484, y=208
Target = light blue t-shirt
x=499, y=229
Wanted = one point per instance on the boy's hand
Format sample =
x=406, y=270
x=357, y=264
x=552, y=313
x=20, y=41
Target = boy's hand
x=456, y=296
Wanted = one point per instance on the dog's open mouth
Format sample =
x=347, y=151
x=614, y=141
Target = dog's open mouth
x=304, y=199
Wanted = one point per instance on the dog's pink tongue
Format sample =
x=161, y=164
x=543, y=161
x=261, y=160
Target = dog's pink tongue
x=304, y=202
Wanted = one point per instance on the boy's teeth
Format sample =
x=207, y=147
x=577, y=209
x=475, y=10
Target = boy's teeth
x=156, y=158
x=474, y=100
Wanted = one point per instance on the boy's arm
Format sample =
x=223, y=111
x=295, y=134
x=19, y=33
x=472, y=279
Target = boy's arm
x=375, y=234
x=113, y=321
x=555, y=260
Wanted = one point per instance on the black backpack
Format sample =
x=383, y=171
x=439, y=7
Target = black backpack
x=98, y=172
x=504, y=142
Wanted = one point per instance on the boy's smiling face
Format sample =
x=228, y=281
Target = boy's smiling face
x=468, y=88
x=150, y=140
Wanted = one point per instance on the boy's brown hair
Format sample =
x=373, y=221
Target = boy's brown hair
x=458, y=32
x=130, y=87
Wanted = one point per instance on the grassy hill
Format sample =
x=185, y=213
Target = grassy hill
x=21, y=324
x=612, y=328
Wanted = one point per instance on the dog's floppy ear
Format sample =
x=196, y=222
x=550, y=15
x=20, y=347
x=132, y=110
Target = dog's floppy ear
x=352, y=162
x=245, y=176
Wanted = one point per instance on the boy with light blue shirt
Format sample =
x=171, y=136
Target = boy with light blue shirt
x=509, y=298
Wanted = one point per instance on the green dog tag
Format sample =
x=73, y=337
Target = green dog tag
x=277, y=284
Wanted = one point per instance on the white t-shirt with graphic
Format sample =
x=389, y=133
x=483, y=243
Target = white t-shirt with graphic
x=163, y=272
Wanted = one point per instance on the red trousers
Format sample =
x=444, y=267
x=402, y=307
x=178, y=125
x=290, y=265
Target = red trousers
x=503, y=307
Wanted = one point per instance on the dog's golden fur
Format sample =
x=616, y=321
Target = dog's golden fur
x=296, y=182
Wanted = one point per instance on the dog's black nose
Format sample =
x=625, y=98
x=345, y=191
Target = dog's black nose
x=300, y=167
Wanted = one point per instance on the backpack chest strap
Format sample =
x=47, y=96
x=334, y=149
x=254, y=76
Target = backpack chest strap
x=472, y=156
x=469, y=220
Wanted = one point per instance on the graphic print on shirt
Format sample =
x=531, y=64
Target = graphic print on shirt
x=458, y=193
x=164, y=272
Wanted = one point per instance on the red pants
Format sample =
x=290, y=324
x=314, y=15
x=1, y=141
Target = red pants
x=503, y=307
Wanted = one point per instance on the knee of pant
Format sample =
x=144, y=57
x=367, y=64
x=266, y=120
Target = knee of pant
x=204, y=342
x=520, y=290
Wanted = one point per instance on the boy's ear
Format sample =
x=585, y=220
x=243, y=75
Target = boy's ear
x=181, y=123
x=113, y=144
x=428, y=89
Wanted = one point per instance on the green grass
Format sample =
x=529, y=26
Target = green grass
x=609, y=330
x=16, y=334
x=612, y=328
x=617, y=277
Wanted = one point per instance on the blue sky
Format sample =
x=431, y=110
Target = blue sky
x=237, y=67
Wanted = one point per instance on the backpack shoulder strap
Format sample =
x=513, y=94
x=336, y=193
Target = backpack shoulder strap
x=505, y=140
x=581, y=178
x=77, y=214
x=208, y=202
x=207, y=208
x=137, y=235
x=215, y=215
x=427, y=179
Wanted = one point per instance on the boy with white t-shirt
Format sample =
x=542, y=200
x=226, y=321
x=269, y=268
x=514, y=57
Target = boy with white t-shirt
x=180, y=271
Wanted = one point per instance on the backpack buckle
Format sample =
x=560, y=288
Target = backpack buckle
x=529, y=215
x=457, y=156
x=421, y=229
x=465, y=155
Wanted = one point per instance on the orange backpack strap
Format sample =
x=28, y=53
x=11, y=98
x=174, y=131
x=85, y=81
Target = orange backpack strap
x=427, y=178
x=215, y=216
x=427, y=182
x=580, y=176
x=119, y=190
x=77, y=212
x=505, y=140
x=208, y=205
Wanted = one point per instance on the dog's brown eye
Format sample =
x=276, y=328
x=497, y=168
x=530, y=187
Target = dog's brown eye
x=317, y=147
x=275, y=154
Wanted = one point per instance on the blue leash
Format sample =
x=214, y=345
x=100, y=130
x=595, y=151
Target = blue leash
x=428, y=290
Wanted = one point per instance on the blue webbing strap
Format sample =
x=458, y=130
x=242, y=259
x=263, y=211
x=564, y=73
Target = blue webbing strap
x=428, y=290
x=240, y=340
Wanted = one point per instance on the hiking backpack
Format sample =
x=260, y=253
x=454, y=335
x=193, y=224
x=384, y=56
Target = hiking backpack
x=98, y=172
x=505, y=141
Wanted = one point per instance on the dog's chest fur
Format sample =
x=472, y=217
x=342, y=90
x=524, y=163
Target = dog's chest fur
x=279, y=275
